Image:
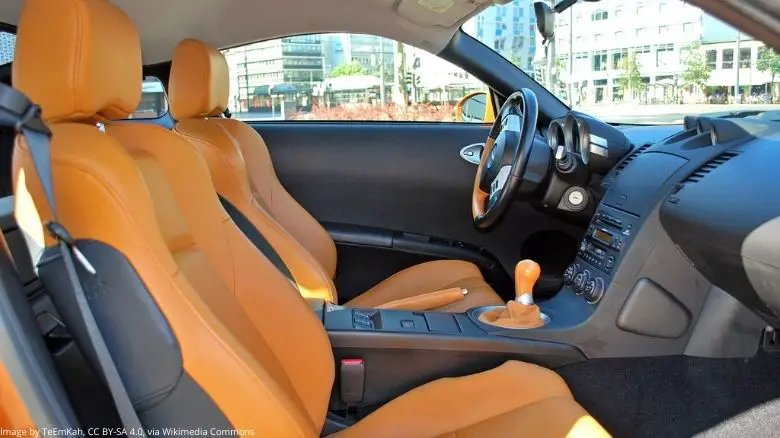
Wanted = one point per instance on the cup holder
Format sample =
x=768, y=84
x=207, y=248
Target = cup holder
x=476, y=312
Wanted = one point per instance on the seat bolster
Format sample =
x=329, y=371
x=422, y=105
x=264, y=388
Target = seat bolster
x=515, y=399
x=271, y=194
x=229, y=175
x=430, y=277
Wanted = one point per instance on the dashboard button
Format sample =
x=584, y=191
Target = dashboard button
x=610, y=263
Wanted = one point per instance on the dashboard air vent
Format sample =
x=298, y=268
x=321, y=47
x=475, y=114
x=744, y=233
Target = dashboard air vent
x=709, y=166
x=631, y=157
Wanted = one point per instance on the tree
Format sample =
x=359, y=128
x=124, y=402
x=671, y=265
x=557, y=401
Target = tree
x=697, y=71
x=769, y=61
x=631, y=79
x=347, y=69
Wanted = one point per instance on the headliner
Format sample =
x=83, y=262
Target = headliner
x=226, y=23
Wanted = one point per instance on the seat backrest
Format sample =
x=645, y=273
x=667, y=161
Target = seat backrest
x=197, y=343
x=242, y=169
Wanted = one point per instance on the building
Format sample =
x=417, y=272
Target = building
x=375, y=54
x=509, y=30
x=594, y=40
x=733, y=58
x=437, y=80
x=276, y=75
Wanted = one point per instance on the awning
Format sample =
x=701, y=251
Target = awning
x=265, y=90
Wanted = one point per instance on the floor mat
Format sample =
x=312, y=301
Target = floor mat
x=680, y=396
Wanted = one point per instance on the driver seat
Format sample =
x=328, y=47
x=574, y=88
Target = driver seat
x=244, y=177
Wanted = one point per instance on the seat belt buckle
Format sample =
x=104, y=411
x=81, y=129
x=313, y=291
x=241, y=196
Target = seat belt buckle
x=352, y=376
x=57, y=231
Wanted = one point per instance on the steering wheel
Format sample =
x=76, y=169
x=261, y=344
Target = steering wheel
x=504, y=159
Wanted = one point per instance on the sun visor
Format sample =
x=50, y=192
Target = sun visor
x=444, y=13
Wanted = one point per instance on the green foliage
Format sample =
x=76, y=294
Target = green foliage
x=347, y=69
x=769, y=61
x=697, y=72
x=631, y=79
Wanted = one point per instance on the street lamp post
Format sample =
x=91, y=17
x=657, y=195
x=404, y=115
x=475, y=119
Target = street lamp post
x=737, y=58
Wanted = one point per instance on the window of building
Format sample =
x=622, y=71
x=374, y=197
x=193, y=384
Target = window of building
x=728, y=59
x=599, y=37
x=712, y=58
x=599, y=61
x=581, y=61
x=643, y=57
x=663, y=30
x=641, y=9
x=154, y=101
x=745, y=57
x=620, y=35
x=665, y=55
x=662, y=7
x=617, y=59
x=599, y=15
x=620, y=11
x=7, y=47
x=689, y=28
x=643, y=32
x=306, y=78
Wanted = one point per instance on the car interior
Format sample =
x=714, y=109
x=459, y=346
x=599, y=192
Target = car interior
x=538, y=273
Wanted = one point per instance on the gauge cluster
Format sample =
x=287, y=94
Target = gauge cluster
x=584, y=149
x=595, y=144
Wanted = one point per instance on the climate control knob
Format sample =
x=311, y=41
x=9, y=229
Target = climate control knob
x=594, y=290
x=569, y=274
x=580, y=280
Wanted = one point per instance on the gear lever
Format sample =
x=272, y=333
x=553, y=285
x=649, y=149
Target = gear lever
x=521, y=313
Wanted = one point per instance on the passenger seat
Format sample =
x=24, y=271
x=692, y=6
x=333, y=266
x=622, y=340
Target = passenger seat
x=244, y=176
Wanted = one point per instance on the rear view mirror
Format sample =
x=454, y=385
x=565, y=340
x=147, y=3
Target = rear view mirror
x=475, y=108
x=545, y=20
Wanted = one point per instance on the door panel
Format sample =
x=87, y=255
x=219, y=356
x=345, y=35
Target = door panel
x=407, y=177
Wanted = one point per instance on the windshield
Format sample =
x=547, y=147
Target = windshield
x=635, y=61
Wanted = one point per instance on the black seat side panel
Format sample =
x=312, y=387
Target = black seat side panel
x=137, y=334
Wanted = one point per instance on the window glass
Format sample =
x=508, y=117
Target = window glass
x=659, y=59
x=154, y=101
x=712, y=59
x=341, y=76
x=744, y=57
x=7, y=46
x=728, y=59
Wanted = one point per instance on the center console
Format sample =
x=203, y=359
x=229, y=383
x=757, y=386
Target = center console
x=403, y=349
x=599, y=253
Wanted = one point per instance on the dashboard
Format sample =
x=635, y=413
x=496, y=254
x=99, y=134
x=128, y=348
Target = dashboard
x=709, y=187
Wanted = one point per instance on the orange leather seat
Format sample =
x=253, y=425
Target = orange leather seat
x=234, y=345
x=244, y=176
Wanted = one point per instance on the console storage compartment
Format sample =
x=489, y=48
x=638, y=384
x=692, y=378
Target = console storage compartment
x=404, y=349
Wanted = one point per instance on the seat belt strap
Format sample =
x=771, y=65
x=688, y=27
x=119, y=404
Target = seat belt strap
x=18, y=111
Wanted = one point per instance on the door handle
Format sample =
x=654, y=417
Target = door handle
x=472, y=152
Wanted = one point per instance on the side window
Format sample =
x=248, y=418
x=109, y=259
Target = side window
x=338, y=76
x=154, y=101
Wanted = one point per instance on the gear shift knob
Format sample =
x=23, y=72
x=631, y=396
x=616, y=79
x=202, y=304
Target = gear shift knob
x=526, y=274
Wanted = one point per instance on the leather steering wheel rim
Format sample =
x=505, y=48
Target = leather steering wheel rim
x=501, y=165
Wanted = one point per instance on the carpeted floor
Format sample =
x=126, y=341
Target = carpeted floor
x=680, y=396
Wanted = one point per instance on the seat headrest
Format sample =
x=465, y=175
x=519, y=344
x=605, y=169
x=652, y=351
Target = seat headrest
x=199, y=83
x=78, y=59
